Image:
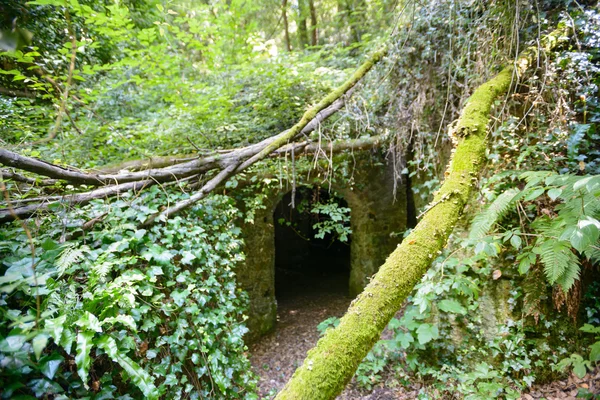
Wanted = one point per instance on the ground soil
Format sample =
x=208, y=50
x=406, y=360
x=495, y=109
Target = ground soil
x=300, y=309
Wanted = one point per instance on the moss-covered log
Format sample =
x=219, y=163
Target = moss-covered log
x=332, y=363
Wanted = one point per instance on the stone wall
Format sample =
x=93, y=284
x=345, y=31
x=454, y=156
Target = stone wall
x=377, y=220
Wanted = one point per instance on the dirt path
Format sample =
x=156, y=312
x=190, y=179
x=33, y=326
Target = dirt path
x=276, y=356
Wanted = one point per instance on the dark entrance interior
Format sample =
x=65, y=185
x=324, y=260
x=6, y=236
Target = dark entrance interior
x=305, y=265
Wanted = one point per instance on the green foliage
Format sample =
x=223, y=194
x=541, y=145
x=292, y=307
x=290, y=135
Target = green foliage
x=330, y=322
x=128, y=312
x=575, y=225
x=330, y=220
x=153, y=312
x=445, y=336
x=579, y=364
x=335, y=220
x=537, y=224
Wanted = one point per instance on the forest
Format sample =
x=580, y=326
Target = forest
x=299, y=199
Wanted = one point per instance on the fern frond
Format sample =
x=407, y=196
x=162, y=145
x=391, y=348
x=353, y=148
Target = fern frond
x=483, y=222
x=561, y=266
x=534, y=178
x=101, y=270
x=69, y=256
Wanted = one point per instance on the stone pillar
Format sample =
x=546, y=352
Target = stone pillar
x=257, y=275
x=378, y=219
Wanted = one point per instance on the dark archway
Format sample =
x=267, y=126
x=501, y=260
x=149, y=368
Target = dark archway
x=304, y=264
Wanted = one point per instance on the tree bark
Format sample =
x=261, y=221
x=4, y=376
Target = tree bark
x=302, y=26
x=314, y=36
x=286, y=28
x=44, y=203
x=332, y=363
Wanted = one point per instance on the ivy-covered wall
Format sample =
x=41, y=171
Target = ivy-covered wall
x=378, y=221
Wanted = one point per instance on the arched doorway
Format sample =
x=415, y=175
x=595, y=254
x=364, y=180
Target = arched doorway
x=312, y=244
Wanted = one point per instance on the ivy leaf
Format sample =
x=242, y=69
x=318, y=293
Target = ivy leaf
x=12, y=343
x=158, y=254
x=39, y=344
x=426, y=333
x=452, y=306
x=41, y=388
x=187, y=257
x=179, y=296
x=82, y=358
x=49, y=365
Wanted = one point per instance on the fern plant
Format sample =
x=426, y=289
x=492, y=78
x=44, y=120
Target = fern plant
x=565, y=226
x=70, y=255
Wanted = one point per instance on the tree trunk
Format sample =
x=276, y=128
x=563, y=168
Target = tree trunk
x=286, y=29
x=332, y=363
x=342, y=16
x=356, y=11
x=301, y=21
x=313, y=23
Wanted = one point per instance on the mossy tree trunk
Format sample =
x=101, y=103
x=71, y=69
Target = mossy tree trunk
x=286, y=28
x=301, y=21
x=332, y=363
x=314, y=38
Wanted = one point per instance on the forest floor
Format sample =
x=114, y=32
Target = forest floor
x=276, y=356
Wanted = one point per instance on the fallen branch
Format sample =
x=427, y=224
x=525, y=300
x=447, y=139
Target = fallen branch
x=169, y=168
x=42, y=203
x=230, y=163
x=305, y=148
x=331, y=364
x=307, y=123
x=74, y=199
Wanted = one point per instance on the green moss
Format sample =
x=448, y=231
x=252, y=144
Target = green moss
x=332, y=363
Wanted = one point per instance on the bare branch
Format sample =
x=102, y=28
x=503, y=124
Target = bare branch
x=80, y=198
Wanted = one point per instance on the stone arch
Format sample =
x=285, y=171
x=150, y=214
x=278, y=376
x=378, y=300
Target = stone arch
x=378, y=220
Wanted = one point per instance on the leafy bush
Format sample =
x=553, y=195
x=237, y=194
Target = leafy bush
x=124, y=311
